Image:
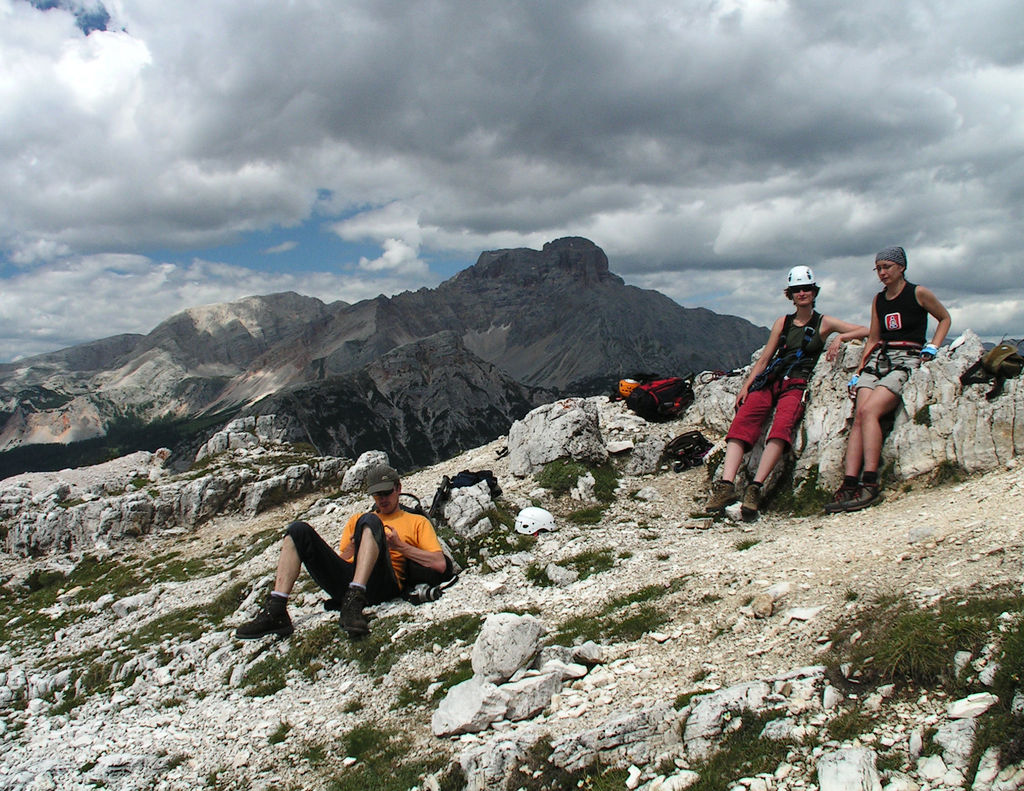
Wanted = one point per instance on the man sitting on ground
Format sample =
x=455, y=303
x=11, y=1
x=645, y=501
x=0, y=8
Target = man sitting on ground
x=381, y=552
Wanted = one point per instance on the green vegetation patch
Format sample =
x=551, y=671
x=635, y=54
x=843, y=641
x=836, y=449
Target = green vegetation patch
x=743, y=753
x=850, y=724
x=624, y=618
x=560, y=476
x=999, y=726
x=190, y=623
x=307, y=651
x=948, y=472
x=913, y=647
x=538, y=774
x=585, y=564
x=590, y=515
x=591, y=562
x=798, y=497
x=503, y=540
x=310, y=650
x=906, y=644
x=382, y=764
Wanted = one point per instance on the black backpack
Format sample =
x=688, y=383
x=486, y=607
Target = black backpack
x=661, y=399
x=464, y=478
x=687, y=450
x=997, y=365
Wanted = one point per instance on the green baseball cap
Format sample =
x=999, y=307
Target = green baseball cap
x=381, y=479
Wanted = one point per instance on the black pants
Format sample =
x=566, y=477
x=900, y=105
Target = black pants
x=333, y=574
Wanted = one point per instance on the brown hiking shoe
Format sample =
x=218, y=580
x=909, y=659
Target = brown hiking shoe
x=841, y=499
x=869, y=494
x=723, y=493
x=272, y=619
x=352, y=620
x=751, y=502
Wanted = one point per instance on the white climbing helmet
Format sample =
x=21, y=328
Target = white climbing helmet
x=532, y=520
x=801, y=276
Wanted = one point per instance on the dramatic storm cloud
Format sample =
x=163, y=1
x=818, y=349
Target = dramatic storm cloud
x=156, y=156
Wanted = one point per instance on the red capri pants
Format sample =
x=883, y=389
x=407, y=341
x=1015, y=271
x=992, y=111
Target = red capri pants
x=786, y=396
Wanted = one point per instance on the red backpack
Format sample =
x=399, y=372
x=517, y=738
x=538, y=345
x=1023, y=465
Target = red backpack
x=661, y=399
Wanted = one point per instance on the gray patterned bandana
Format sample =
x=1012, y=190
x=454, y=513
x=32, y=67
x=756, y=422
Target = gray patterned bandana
x=895, y=254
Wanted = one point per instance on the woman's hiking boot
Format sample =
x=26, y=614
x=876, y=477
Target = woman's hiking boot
x=842, y=498
x=751, y=502
x=352, y=621
x=723, y=493
x=869, y=494
x=272, y=619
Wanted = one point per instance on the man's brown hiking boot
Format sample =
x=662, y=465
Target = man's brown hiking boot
x=723, y=493
x=751, y=502
x=352, y=620
x=272, y=619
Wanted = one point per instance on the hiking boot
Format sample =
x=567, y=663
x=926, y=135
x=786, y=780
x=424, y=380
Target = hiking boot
x=352, y=620
x=723, y=493
x=869, y=494
x=841, y=499
x=272, y=619
x=751, y=502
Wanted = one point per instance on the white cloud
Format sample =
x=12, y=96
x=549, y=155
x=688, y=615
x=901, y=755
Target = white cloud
x=283, y=247
x=399, y=258
x=80, y=299
x=720, y=141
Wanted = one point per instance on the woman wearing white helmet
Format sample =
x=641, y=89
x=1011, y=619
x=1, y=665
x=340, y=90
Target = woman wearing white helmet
x=778, y=383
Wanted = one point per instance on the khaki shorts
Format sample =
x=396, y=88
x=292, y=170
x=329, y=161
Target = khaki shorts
x=894, y=373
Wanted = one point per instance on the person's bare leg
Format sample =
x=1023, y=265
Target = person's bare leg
x=366, y=559
x=288, y=566
x=855, y=443
x=881, y=403
x=734, y=451
x=773, y=450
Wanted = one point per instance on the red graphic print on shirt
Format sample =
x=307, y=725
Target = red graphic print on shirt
x=893, y=321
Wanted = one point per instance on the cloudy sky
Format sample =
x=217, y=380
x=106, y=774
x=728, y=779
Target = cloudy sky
x=158, y=155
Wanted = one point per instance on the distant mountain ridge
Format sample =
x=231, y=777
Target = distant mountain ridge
x=422, y=374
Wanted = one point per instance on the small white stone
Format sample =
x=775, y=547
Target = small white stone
x=971, y=706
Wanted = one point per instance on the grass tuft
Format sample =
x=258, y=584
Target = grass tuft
x=743, y=753
x=560, y=476
x=624, y=618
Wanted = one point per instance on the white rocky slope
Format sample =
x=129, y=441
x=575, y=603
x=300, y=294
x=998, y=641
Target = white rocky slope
x=748, y=611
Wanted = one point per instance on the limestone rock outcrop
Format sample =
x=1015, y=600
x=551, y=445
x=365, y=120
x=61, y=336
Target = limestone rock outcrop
x=939, y=422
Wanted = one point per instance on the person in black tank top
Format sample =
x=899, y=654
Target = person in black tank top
x=894, y=348
x=777, y=383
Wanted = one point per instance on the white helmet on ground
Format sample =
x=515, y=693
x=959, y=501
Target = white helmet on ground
x=800, y=276
x=532, y=520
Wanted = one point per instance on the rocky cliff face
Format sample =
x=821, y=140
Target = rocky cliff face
x=555, y=319
x=423, y=401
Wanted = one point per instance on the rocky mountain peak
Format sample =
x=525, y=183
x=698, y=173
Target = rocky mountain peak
x=555, y=321
x=571, y=260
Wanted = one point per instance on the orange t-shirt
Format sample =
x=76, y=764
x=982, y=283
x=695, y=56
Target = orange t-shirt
x=411, y=528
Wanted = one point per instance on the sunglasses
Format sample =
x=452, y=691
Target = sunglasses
x=388, y=493
x=798, y=289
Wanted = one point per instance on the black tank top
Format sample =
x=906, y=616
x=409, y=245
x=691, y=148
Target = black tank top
x=901, y=319
x=792, y=341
